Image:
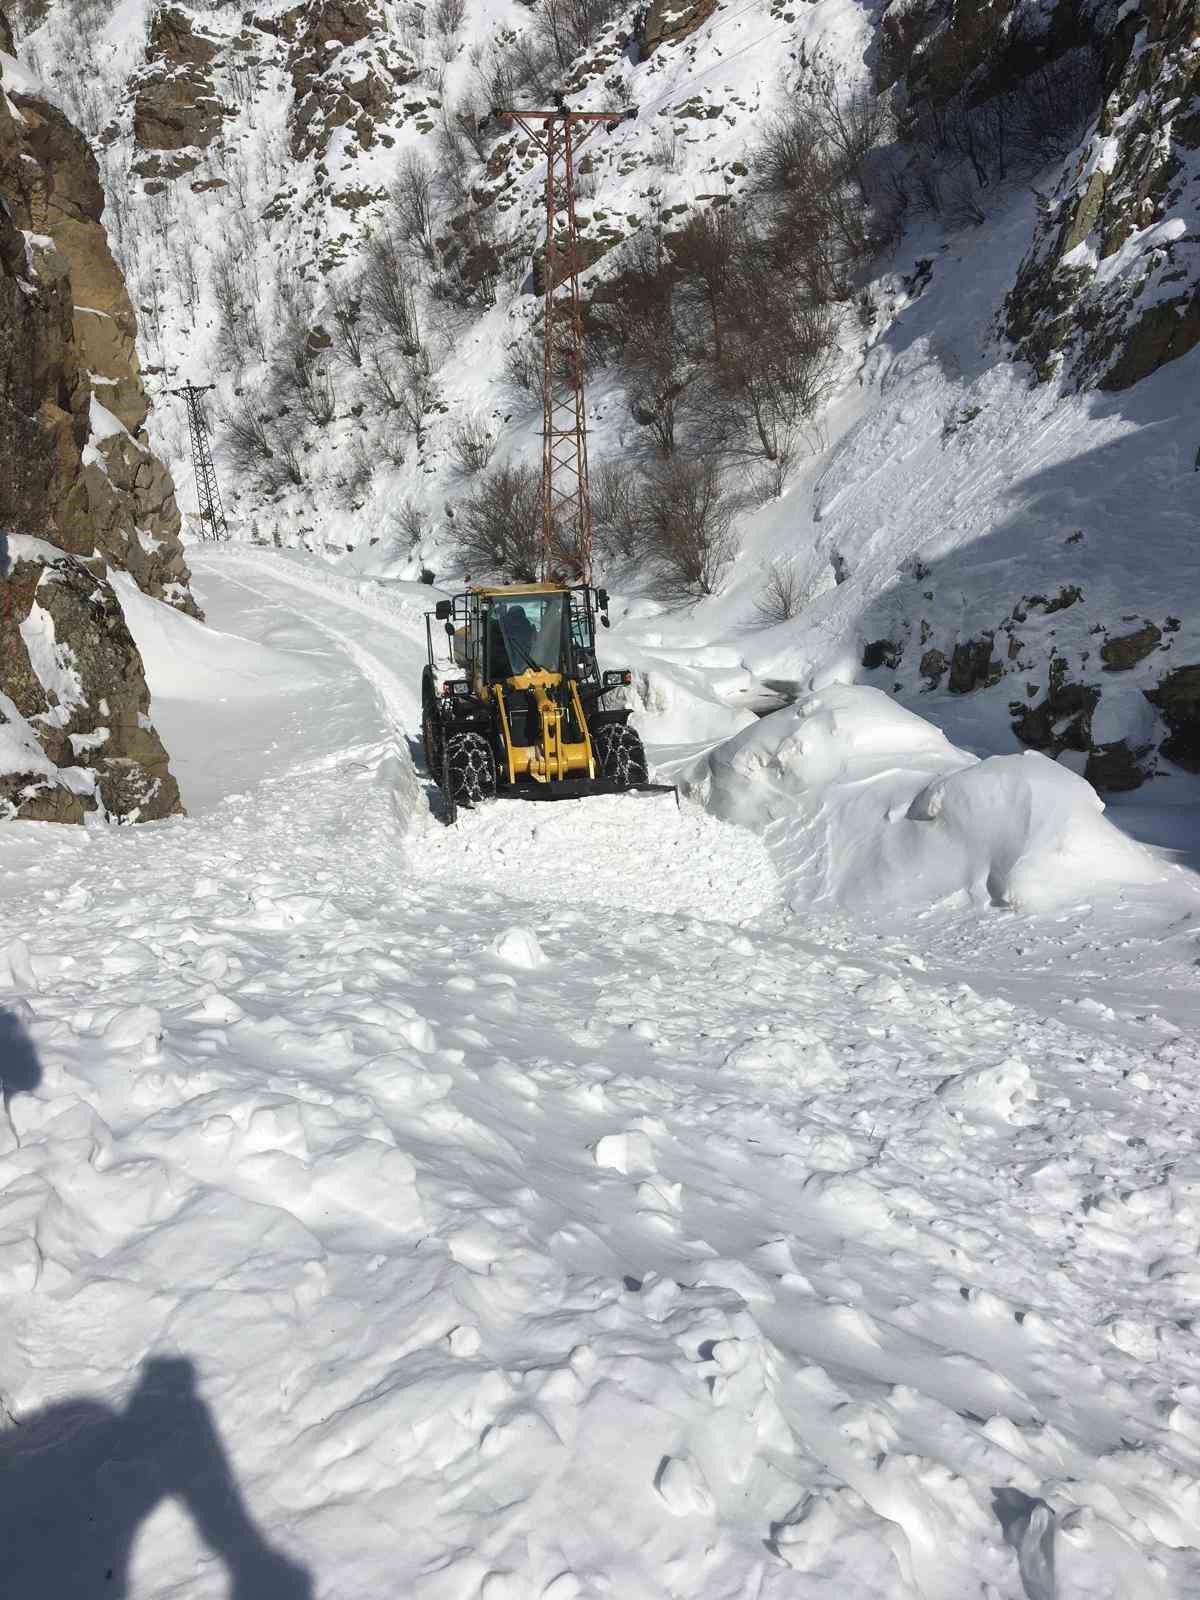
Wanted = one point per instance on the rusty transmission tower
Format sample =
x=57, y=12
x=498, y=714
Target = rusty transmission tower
x=212, y=513
x=566, y=504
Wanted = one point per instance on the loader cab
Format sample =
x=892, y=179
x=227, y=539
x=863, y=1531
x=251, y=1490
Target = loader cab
x=498, y=634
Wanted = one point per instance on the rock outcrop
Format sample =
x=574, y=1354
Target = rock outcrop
x=176, y=113
x=80, y=492
x=1111, y=287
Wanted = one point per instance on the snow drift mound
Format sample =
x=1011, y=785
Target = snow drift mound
x=869, y=807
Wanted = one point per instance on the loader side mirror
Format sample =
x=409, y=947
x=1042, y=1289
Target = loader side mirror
x=602, y=599
x=621, y=678
x=443, y=610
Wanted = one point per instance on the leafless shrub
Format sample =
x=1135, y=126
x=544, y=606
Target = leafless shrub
x=832, y=211
x=264, y=449
x=240, y=329
x=412, y=522
x=414, y=207
x=393, y=442
x=344, y=313
x=565, y=28
x=498, y=528
x=300, y=371
x=965, y=148
x=687, y=515
x=650, y=323
x=386, y=293
x=382, y=380
x=777, y=369
x=473, y=444
x=448, y=17
x=664, y=148
x=781, y=596
x=418, y=394
x=359, y=472
x=523, y=366
x=617, y=511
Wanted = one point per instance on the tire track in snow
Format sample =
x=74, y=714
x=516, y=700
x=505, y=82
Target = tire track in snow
x=397, y=702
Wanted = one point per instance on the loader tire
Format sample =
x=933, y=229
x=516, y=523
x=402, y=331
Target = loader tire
x=431, y=741
x=619, y=754
x=469, y=769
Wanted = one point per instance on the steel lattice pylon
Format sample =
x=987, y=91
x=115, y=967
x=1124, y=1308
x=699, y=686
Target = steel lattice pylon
x=212, y=513
x=566, y=502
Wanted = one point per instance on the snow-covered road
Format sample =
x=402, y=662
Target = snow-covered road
x=536, y=1210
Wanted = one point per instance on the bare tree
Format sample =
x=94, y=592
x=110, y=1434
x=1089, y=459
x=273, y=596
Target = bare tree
x=344, y=313
x=688, y=517
x=498, y=528
x=261, y=448
x=387, y=293
x=473, y=444
x=618, y=519
x=647, y=319
x=414, y=523
x=413, y=204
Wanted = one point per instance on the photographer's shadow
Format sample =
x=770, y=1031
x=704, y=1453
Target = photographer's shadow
x=79, y=1478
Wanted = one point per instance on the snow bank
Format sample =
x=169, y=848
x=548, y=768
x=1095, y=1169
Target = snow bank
x=869, y=807
x=187, y=660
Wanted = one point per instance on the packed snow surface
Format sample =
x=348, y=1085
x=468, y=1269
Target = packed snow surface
x=543, y=1209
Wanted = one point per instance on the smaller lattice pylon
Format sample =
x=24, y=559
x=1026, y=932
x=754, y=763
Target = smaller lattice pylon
x=208, y=494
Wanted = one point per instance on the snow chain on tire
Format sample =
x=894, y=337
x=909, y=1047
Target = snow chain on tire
x=469, y=768
x=619, y=754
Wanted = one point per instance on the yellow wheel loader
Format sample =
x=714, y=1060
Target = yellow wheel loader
x=514, y=704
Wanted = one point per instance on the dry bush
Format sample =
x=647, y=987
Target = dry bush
x=239, y=321
x=523, y=366
x=965, y=148
x=412, y=522
x=473, y=444
x=618, y=525
x=414, y=207
x=300, y=372
x=782, y=595
x=448, y=17
x=499, y=528
x=261, y=447
x=386, y=293
x=687, y=515
x=831, y=209
x=345, y=314
x=646, y=318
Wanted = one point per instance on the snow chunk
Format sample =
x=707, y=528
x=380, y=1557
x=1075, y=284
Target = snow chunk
x=991, y=1094
x=519, y=947
x=625, y=1152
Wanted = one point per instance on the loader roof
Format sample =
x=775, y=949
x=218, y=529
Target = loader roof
x=493, y=590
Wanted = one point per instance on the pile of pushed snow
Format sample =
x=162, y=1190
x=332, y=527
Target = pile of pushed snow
x=867, y=806
x=616, y=850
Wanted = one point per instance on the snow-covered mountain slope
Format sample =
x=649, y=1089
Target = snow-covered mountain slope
x=368, y=1230
x=1006, y=554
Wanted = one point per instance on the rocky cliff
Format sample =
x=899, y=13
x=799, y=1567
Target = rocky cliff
x=80, y=490
x=1111, y=286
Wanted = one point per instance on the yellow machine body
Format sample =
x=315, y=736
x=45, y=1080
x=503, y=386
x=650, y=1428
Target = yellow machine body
x=553, y=756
